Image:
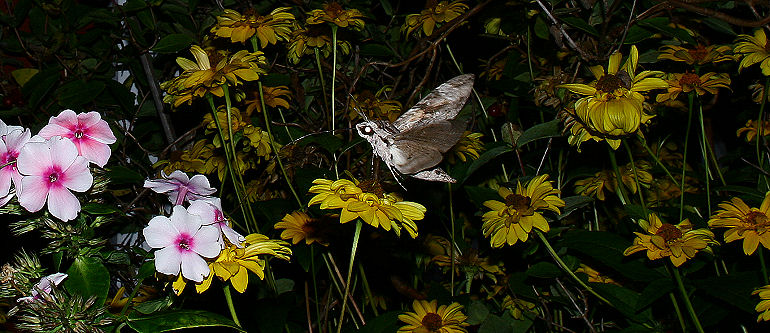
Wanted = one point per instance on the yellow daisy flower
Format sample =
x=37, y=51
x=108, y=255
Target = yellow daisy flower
x=594, y=275
x=470, y=263
x=274, y=97
x=747, y=223
x=298, y=226
x=200, y=77
x=687, y=82
x=511, y=221
x=467, y=148
x=664, y=189
x=257, y=141
x=374, y=108
x=188, y=160
x=269, y=28
x=333, y=13
x=763, y=307
x=369, y=202
x=751, y=129
x=613, y=105
x=697, y=55
x=576, y=131
x=546, y=91
x=677, y=242
x=428, y=18
x=606, y=179
x=494, y=71
x=754, y=49
x=518, y=307
x=234, y=263
x=303, y=41
x=427, y=318
x=236, y=121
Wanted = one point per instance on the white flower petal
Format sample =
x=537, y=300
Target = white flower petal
x=168, y=260
x=62, y=203
x=194, y=268
x=159, y=233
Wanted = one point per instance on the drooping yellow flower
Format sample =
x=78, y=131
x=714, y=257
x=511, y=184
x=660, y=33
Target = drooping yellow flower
x=209, y=72
x=576, y=131
x=369, y=202
x=546, y=91
x=236, y=122
x=511, y=221
x=763, y=307
x=494, y=71
x=257, y=141
x=234, y=263
x=298, y=226
x=697, y=55
x=664, y=189
x=188, y=160
x=606, y=179
x=518, y=307
x=269, y=28
x=467, y=148
x=754, y=49
x=677, y=242
x=470, y=263
x=757, y=92
x=432, y=15
x=613, y=105
x=333, y=13
x=427, y=318
x=686, y=82
x=594, y=275
x=374, y=108
x=303, y=41
x=273, y=96
x=751, y=129
x=747, y=223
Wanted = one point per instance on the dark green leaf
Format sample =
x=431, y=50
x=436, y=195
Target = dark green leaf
x=376, y=50
x=271, y=313
x=99, y=209
x=39, y=86
x=146, y=270
x=384, y=323
x=572, y=203
x=654, y=291
x=541, y=28
x=734, y=289
x=544, y=270
x=545, y=130
x=495, y=324
x=662, y=24
x=155, y=305
x=174, y=320
x=477, y=311
x=622, y=299
x=122, y=175
x=637, y=34
x=88, y=277
x=79, y=92
x=134, y=5
x=608, y=248
x=719, y=25
x=484, y=159
x=578, y=23
x=479, y=194
x=173, y=43
x=387, y=7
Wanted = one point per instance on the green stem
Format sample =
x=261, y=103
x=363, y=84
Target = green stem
x=760, y=127
x=657, y=160
x=451, y=242
x=133, y=294
x=229, y=299
x=636, y=177
x=762, y=264
x=566, y=269
x=621, y=192
x=353, y=249
x=334, y=78
x=367, y=289
x=686, y=300
x=704, y=151
x=678, y=312
x=690, y=100
x=315, y=287
x=321, y=77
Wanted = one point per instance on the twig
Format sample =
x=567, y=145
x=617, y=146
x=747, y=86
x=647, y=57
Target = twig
x=564, y=33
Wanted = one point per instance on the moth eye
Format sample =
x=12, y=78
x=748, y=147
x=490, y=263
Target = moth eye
x=367, y=130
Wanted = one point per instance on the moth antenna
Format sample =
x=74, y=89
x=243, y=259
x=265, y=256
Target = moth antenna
x=363, y=115
x=316, y=133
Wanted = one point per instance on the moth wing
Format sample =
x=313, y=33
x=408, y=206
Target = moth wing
x=441, y=135
x=443, y=103
x=435, y=175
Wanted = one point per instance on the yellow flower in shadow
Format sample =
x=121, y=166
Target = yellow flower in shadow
x=751, y=129
x=698, y=55
x=518, y=307
x=511, y=221
x=374, y=108
x=613, y=104
x=471, y=264
x=432, y=15
x=594, y=275
x=677, y=242
x=333, y=13
x=606, y=179
x=763, y=307
x=304, y=40
x=686, y=82
x=298, y=226
x=269, y=28
x=367, y=201
x=274, y=97
x=747, y=223
x=753, y=49
x=468, y=148
x=428, y=317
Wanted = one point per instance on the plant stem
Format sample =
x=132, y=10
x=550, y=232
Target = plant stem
x=657, y=160
x=334, y=78
x=230, y=305
x=636, y=177
x=678, y=312
x=760, y=126
x=704, y=151
x=618, y=178
x=356, y=235
x=686, y=300
x=762, y=264
x=690, y=100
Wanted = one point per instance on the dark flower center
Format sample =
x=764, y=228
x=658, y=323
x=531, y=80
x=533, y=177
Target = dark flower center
x=756, y=218
x=370, y=186
x=185, y=242
x=334, y=10
x=698, y=53
x=690, y=79
x=78, y=134
x=432, y=321
x=518, y=202
x=609, y=83
x=669, y=232
x=53, y=177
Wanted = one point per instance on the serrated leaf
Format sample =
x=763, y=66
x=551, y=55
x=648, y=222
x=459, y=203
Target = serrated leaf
x=540, y=131
x=174, y=320
x=88, y=277
x=173, y=43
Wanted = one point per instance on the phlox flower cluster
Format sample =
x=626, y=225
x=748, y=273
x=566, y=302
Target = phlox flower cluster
x=46, y=168
x=197, y=228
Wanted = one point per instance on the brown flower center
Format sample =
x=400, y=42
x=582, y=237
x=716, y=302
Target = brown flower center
x=609, y=83
x=669, y=232
x=689, y=79
x=518, y=202
x=698, y=53
x=432, y=321
x=370, y=186
x=756, y=218
x=333, y=9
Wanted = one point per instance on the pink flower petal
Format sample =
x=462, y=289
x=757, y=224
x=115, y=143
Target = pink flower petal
x=67, y=119
x=200, y=184
x=16, y=139
x=159, y=233
x=204, y=209
x=51, y=130
x=62, y=203
x=6, y=171
x=161, y=185
x=232, y=236
x=177, y=175
x=94, y=151
x=100, y=131
x=34, y=159
x=35, y=192
x=88, y=119
x=77, y=177
x=63, y=151
x=185, y=222
x=206, y=242
x=194, y=268
x=168, y=260
x=4, y=200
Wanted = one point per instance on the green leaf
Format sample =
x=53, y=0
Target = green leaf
x=123, y=175
x=477, y=312
x=174, y=320
x=23, y=75
x=146, y=270
x=719, y=25
x=579, y=23
x=387, y=7
x=88, y=277
x=271, y=313
x=134, y=5
x=541, y=28
x=384, y=323
x=376, y=50
x=39, y=86
x=99, y=209
x=173, y=43
x=79, y=92
x=572, y=203
x=544, y=270
x=661, y=24
x=155, y=305
x=734, y=289
x=479, y=194
x=637, y=34
x=540, y=131
x=654, y=291
x=494, y=324
x=484, y=159
x=622, y=299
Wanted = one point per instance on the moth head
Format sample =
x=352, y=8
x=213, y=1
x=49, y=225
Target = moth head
x=365, y=129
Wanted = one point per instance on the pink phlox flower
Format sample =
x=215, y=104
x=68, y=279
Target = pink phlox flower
x=10, y=147
x=5, y=129
x=50, y=170
x=182, y=241
x=88, y=131
x=210, y=210
x=45, y=285
x=181, y=188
